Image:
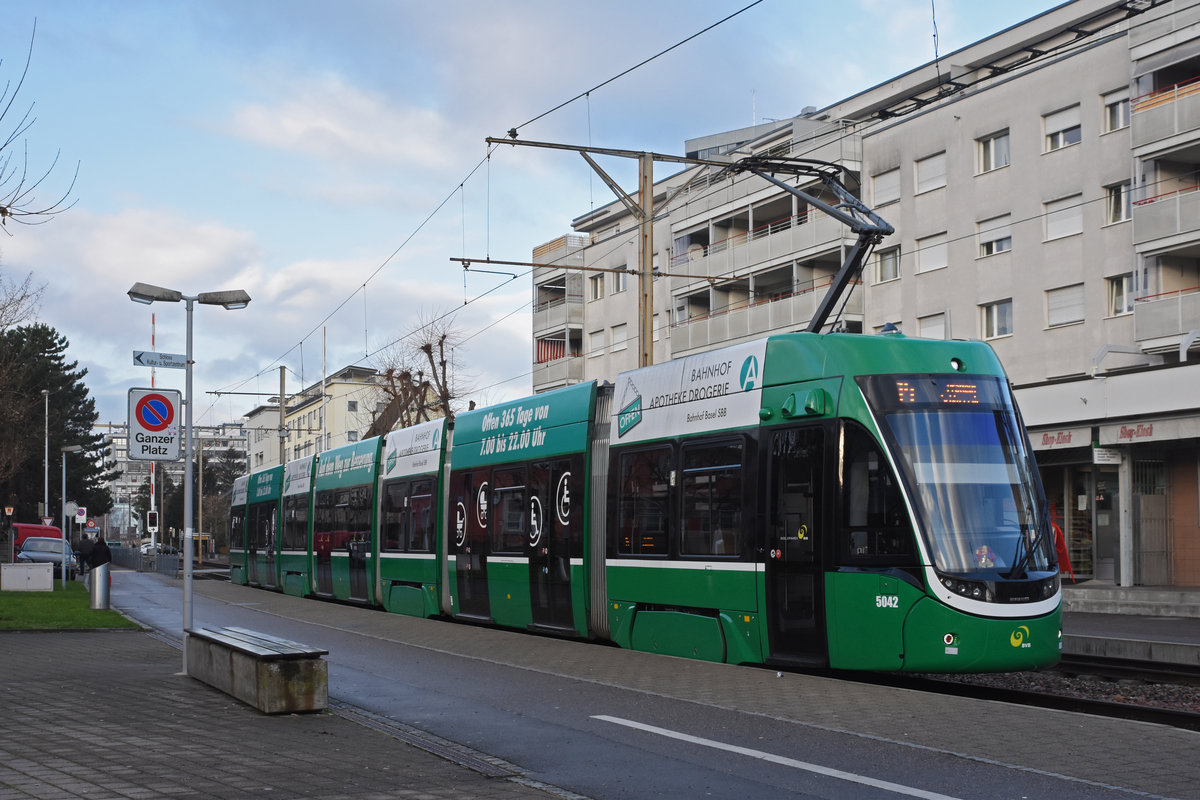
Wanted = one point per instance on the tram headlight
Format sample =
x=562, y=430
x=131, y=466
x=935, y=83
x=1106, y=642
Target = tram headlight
x=972, y=590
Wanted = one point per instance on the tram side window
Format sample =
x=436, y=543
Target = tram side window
x=508, y=505
x=344, y=515
x=323, y=518
x=262, y=526
x=643, y=502
x=356, y=511
x=392, y=525
x=712, y=499
x=875, y=520
x=237, y=530
x=295, y=522
x=420, y=522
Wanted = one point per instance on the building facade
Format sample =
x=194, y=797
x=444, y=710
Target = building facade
x=316, y=419
x=1044, y=186
x=123, y=521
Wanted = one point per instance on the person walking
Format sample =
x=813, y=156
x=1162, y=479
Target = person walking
x=86, y=546
x=101, y=554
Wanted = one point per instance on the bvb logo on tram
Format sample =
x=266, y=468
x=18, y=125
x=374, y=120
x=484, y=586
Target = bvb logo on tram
x=1018, y=637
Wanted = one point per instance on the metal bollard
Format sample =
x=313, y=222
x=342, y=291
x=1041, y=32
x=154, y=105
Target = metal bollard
x=99, y=587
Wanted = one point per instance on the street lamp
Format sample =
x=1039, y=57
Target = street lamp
x=231, y=300
x=46, y=458
x=70, y=448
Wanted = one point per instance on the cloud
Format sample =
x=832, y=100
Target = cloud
x=326, y=117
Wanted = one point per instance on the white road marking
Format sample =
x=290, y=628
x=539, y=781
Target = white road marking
x=781, y=760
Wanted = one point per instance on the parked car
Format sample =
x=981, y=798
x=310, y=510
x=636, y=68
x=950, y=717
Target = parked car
x=24, y=530
x=44, y=550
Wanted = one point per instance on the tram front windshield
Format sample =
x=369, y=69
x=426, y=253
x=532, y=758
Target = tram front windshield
x=961, y=451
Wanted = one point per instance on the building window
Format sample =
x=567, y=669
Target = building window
x=887, y=265
x=1064, y=306
x=997, y=319
x=1064, y=217
x=931, y=173
x=351, y=406
x=1120, y=206
x=1062, y=128
x=886, y=187
x=351, y=436
x=1120, y=295
x=596, y=284
x=932, y=252
x=654, y=329
x=620, y=281
x=619, y=337
x=995, y=236
x=1116, y=110
x=597, y=341
x=932, y=327
x=993, y=152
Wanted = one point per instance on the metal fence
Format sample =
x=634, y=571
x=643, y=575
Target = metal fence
x=133, y=558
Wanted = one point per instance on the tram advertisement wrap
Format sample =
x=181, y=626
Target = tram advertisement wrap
x=414, y=450
x=711, y=391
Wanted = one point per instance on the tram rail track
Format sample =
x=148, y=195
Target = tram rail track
x=1162, y=694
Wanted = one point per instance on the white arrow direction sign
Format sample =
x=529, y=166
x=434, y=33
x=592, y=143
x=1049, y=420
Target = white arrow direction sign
x=144, y=358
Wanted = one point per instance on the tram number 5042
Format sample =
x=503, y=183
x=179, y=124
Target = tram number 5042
x=887, y=601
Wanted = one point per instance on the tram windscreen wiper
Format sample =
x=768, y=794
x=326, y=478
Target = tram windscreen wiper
x=1021, y=568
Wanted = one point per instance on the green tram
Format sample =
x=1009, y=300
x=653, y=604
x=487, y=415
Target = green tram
x=295, y=564
x=410, y=517
x=253, y=549
x=857, y=502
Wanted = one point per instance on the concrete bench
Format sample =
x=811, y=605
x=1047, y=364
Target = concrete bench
x=274, y=675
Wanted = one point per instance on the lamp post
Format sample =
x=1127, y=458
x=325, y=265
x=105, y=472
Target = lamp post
x=231, y=300
x=46, y=457
x=70, y=448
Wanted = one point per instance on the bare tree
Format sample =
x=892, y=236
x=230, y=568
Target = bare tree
x=19, y=185
x=416, y=384
x=19, y=298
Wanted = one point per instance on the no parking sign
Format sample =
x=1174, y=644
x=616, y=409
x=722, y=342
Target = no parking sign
x=153, y=424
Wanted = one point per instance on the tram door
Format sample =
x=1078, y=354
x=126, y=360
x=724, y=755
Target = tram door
x=795, y=518
x=323, y=524
x=555, y=531
x=359, y=549
x=266, y=575
x=471, y=500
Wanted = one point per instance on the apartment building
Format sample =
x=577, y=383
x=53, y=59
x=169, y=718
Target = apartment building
x=209, y=440
x=1044, y=186
x=325, y=414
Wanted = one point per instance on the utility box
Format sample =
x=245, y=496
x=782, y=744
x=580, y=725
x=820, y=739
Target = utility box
x=27, y=577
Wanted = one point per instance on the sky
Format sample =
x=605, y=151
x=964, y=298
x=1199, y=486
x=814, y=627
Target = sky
x=329, y=159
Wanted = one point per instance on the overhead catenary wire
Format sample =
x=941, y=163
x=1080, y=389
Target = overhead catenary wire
x=856, y=127
x=470, y=174
x=513, y=131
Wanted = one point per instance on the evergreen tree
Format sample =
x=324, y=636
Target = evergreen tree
x=37, y=355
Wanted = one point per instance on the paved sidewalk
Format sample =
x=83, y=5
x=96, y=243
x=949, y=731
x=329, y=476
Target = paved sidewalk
x=107, y=715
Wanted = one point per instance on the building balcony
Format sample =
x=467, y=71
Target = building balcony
x=1162, y=322
x=752, y=320
x=563, y=312
x=1166, y=115
x=557, y=372
x=801, y=236
x=1167, y=220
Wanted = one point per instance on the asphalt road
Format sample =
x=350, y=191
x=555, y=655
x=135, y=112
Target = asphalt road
x=604, y=723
